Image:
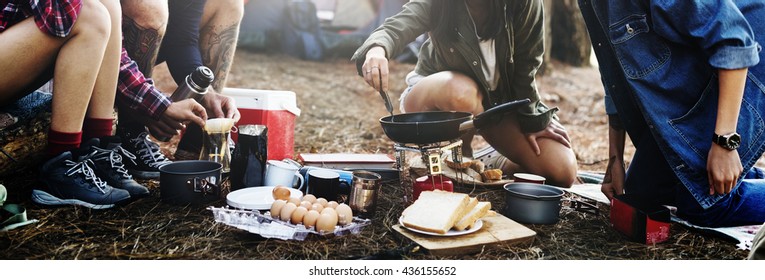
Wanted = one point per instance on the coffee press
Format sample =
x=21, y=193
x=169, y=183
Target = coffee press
x=215, y=142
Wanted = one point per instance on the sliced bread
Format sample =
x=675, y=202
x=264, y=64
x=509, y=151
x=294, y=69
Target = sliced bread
x=435, y=211
x=477, y=212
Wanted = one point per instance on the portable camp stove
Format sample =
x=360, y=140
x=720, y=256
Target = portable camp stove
x=431, y=155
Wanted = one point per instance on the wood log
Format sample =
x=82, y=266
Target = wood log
x=22, y=146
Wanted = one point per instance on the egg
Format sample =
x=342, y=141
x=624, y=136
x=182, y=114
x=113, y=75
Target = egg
x=344, y=214
x=326, y=222
x=293, y=200
x=276, y=207
x=305, y=204
x=310, y=198
x=310, y=218
x=297, y=215
x=318, y=207
x=286, y=212
x=332, y=204
x=329, y=210
x=281, y=192
x=322, y=201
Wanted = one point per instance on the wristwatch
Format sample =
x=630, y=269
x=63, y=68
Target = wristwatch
x=729, y=141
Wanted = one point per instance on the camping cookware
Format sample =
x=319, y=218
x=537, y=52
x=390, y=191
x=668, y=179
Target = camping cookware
x=532, y=203
x=385, y=97
x=438, y=126
x=190, y=182
x=364, y=193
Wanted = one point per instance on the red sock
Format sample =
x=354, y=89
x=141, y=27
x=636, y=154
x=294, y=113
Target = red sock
x=94, y=128
x=59, y=142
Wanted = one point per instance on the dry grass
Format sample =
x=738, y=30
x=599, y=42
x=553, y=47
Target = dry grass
x=339, y=115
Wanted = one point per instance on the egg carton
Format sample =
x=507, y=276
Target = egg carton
x=264, y=225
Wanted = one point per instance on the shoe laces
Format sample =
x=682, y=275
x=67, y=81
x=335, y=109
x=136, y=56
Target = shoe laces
x=115, y=161
x=149, y=151
x=84, y=167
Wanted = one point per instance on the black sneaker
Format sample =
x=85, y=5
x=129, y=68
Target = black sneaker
x=148, y=157
x=110, y=168
x=67, y=182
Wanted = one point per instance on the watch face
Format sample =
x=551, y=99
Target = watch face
x=734, y=140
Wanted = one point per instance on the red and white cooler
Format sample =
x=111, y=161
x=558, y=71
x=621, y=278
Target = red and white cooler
x=275, y=109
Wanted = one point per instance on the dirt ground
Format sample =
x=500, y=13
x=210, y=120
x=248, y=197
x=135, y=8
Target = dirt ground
x=340, y=114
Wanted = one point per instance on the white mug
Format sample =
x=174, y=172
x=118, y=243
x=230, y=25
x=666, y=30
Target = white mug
x=282, y=173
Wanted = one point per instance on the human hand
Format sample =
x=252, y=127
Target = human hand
x=613, y=181
x=220, y=106
x=375, y=68
x=175, y=118
x=723, y=168
x=554, y=130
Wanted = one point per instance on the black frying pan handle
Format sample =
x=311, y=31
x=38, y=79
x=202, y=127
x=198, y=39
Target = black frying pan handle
x=498, y=111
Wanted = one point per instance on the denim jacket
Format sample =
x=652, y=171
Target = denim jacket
x=521, y=46
x=658, y=63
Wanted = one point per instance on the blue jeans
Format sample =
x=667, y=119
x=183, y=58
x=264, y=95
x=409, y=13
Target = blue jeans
x=649, y=173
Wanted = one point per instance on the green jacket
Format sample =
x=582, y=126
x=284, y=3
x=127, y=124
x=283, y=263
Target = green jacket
x=521, y=46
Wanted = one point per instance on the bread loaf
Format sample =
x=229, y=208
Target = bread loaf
x=435, y=211
x=477, y=212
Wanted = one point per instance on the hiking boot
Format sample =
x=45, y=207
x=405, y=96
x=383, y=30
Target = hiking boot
x=148, y=157
x=110, y=168
x=491, y=158
x=67, y=182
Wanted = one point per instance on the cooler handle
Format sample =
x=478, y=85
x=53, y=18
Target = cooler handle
x=292, y=109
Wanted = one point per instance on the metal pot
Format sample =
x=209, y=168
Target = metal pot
x=532, y=203
x=193, y=182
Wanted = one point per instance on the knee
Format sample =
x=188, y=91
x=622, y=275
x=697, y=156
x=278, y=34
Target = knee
x=93, y=20
x=115, y=11
x=463, y=95
x=562, y=173
x=147, y=14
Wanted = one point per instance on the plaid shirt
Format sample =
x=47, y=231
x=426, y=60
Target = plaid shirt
x=138, y=92
x=56, y=17
x=53, y=17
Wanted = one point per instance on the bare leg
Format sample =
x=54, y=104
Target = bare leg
x=557, y=163
x=144, y=27
x=77, y=59
x=447, y=91
x=219, y=31
x=102, y=102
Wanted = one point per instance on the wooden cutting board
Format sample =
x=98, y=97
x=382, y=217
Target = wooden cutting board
x=496, y=230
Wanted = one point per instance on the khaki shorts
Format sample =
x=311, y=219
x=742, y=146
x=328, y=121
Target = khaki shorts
x=411, y=79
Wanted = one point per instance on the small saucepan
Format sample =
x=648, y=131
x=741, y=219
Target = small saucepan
x=438, y=126
x=532, y=203
x=194, y=182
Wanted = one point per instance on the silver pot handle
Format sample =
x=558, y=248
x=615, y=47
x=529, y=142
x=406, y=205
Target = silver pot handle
x=202, y=185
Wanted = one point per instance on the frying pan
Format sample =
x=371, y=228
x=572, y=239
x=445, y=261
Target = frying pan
x=438, y=126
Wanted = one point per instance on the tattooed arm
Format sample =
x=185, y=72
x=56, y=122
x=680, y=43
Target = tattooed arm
x=613, y=181
x=218, y=37
x=143, y=26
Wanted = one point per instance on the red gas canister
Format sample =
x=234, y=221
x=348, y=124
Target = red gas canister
x=429, y=183
x=277, y=110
